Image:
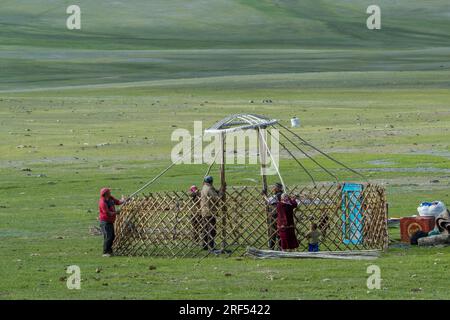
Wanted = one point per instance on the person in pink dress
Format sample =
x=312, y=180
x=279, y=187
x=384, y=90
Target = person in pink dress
x=107, y=216
x=286, y=224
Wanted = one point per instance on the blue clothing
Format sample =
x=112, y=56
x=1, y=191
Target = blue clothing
x=313, y=247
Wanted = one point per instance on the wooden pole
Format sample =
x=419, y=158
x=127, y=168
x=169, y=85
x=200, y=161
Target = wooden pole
x=223, y=188
x=222, y=164
x=263, y=160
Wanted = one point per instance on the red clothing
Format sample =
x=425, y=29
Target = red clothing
x=285, y=224
x=107, y=209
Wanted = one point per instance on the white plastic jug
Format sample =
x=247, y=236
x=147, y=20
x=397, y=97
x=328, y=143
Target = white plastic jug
x=295, y=122
x=431, y=209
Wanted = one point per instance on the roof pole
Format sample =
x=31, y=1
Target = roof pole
x=273, y=161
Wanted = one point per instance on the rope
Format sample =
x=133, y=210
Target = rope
x=296, y=160
x=160, y=174
x=311, y=158
x=273, y=161
x=211, y=165
x=323, y=153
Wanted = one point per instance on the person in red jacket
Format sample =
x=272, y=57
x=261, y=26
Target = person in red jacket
x=107, y=216
x=285, y=223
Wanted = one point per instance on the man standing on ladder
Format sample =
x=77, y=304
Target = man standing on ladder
x=209, y=202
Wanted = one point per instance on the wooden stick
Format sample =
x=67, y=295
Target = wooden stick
x=223, y=186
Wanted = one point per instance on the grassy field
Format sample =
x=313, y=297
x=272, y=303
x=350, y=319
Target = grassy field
x=82, y=110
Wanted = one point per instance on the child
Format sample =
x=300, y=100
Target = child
x=313, y=236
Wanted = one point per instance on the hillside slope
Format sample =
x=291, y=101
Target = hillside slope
x=225, y=23
x=126, y=41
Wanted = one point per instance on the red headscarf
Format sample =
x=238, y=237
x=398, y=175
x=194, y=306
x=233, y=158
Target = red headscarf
x=104, y=191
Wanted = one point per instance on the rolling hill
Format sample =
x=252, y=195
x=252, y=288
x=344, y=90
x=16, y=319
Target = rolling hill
x=126, y=41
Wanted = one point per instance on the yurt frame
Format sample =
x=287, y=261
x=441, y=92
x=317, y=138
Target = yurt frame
x=351, y=216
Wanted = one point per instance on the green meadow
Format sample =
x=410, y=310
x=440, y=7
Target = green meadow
x=84, y=109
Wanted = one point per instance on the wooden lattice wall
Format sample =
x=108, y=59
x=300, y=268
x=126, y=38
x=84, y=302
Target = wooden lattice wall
x=171, y=223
